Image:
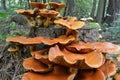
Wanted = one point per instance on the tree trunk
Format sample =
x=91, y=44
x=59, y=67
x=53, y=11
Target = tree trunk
x=3, y=4
x=113, y=11
x=44, y=1
x=94, y=7
x=70, y=5
x=100, y=11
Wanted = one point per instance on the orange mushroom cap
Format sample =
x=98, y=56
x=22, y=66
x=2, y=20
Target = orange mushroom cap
x=109, y=68
x=59, y=73
x=48, y=13
x=41, y=55
x=27, y=13
x=11, y=49
x=106, y=47
x=37, y=40
x=70, y=24
x=56, y=6
x=25, y=40
x=61, y=39
x=35, y=65
x=80, y=46
x=38, y=5
x=81, y=61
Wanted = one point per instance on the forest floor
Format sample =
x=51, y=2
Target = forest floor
x=11, y=67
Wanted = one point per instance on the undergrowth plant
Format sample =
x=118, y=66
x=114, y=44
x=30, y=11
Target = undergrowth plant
x=66, y=57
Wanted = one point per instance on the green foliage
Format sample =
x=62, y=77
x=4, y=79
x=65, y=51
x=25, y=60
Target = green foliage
x=94, y=25
x=4, y=15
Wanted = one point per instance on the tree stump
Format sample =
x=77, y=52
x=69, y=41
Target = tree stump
x=15, y=71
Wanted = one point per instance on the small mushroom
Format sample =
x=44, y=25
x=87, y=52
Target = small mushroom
x=36, y=66
x=38, y=5
x=14, y=50
x=30, y=14
x=48, y=14
x=56, y=6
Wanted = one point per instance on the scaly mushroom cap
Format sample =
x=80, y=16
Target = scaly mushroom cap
x=35, y=65
x=48, y=13
x=56, y=6
x=38, y=5
x=90, y=75
x=82, y=61
x=80, y=46
x=71, y=24
x=106, y=47
x=59, y=73
x=109, y=68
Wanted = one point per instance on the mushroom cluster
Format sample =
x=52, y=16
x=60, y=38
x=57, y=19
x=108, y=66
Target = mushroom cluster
x=41, y=15
x=66, y=58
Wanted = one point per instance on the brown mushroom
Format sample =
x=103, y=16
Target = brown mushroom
x=59, y=73
x=35, y=65
x=92, y=74
x=56, y=6
x=81, y=61
x=48, y=14
x=38, y=5
x=109, y=68
x=14, y=50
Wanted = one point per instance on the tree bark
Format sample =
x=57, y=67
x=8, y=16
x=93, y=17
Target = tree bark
x=100, y=11
x=70, y=5
x=112, y=11
x=93, y=14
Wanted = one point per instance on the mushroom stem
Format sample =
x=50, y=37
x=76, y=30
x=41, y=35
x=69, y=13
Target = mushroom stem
x=50, y=66
x=31, y=48
x=47, y=22
x=30, y=21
